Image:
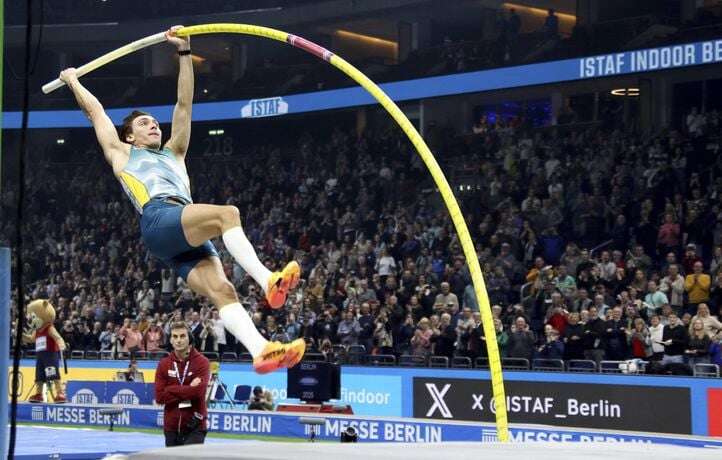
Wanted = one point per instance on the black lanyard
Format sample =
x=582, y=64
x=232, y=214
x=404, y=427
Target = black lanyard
x=185, y=372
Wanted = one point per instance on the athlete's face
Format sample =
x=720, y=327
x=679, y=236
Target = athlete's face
x=146, y=132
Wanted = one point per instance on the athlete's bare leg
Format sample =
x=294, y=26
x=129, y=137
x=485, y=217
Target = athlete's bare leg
x=208, y=279
x=202, y=222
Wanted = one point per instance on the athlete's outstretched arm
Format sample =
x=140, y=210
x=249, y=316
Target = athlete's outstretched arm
x=104, y=129
x=181, y=129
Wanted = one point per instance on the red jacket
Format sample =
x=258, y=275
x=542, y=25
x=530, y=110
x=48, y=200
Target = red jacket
x=169, y=391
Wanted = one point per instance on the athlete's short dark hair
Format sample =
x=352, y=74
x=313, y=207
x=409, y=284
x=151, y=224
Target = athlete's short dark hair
x=126, y=128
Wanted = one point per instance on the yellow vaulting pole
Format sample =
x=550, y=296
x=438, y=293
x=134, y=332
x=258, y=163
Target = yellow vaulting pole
x=109, y=57
x=421, y=147
x=423, y=150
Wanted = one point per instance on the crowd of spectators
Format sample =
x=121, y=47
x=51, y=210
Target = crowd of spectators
x=594, y=244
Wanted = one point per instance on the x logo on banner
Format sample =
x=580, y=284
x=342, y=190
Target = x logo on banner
x=439, y=403
x=477, y=402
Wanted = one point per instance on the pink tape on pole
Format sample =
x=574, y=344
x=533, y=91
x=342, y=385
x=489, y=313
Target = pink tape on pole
x=311, y=47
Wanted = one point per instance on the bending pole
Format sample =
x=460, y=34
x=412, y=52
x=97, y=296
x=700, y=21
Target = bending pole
x=109, y=57
x=423, y=150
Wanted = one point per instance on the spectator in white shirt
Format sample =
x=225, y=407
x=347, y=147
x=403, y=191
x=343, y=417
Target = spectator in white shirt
x=607, y=268
x=672, y=286
x=145, y=296
x=219, y=330
x=655, y=334
x=446, y=298
x=385, y=265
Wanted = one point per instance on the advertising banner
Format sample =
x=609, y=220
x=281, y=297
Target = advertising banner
x=129, y=393
x=369, y=429
x=714, y=411
x=638, y=408
x=122, y=393
x=84, y=392
x=367, y=394
x=663, y=404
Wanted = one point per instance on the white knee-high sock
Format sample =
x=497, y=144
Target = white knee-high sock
x=242, y=250
x=237, y=320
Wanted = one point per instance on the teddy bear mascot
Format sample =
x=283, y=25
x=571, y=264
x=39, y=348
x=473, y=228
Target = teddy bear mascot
x=48, y=346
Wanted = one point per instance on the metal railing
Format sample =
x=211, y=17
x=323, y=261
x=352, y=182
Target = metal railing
x=359, y=357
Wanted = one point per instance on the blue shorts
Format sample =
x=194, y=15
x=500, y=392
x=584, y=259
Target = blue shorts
x=162, y=233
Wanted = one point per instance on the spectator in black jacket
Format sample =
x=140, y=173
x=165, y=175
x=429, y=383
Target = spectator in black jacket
x=91, y=337
x=675, y=339
x=573, y=338
x=476, y=342
x=521, y=340
x=406, y=332
x=366, y=321
x=593, y=334
x=72, y=336
x=446, y=340
x=553, y=348
x=325, y=327
x=699, y=344
x=615, y=337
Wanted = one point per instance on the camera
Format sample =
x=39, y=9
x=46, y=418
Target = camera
x=349, y=435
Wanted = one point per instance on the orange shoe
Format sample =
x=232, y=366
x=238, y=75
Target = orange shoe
x=281, y=283
x=277, y=355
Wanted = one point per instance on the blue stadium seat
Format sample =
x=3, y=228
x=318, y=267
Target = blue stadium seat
x=241, y=395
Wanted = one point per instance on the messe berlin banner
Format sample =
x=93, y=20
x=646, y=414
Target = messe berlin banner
x=369, y=429
x=635, y=408
x=607, y=65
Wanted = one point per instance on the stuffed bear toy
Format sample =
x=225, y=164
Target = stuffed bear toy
x=48, y=346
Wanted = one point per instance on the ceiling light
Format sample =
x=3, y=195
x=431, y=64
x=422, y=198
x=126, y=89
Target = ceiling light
x=366, y=38
x=629, y=92
x=541, y=12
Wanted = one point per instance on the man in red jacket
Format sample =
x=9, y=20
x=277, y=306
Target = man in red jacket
x=181, y=380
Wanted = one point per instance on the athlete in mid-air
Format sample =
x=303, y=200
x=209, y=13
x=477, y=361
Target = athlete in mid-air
x=176, y=230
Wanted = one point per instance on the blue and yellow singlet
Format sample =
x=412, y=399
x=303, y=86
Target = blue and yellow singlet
x=154, y=174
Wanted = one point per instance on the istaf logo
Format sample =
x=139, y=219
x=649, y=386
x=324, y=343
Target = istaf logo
x=270, y=107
